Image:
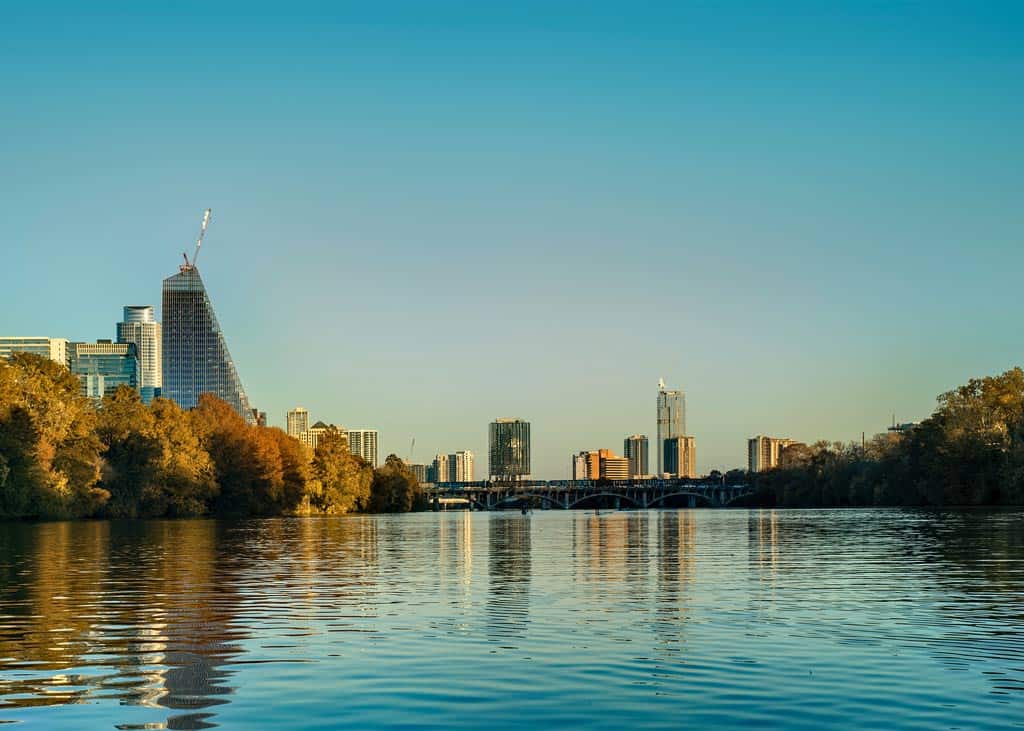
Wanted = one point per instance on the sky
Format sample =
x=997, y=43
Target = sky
x=430, y=214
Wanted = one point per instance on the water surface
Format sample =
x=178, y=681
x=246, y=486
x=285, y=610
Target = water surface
x=655, y=619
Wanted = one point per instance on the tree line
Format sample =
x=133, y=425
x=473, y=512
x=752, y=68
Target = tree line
x=65, y=456
x=969, y=452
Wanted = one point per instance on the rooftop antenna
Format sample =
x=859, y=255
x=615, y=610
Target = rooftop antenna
x=199, y=241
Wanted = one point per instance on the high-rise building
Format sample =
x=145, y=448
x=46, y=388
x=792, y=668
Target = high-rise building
x=363, y=442
x=763, y=452
x=461, y=467
x=420, y=471
x=671, y=418
x=509, y=449
x=140, y=328
x=579, y=466
x=297, y=421
x=634, y=448
x=680, y=455
x=103, y=366
x=195, y=354
x=440, y=469
x=56, y=349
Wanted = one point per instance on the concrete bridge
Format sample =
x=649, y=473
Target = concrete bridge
x=568, y=494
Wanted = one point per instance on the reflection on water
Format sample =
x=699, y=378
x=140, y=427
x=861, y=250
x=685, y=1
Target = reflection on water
x=802, y=619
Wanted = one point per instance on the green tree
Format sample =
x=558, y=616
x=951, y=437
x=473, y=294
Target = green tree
x=185, y=483
x=395, y=488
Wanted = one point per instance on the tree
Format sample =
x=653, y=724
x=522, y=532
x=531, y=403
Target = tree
x=47, y=441
x=395, y=488
x=126, y=429
x=341, y=480
x=185, y=482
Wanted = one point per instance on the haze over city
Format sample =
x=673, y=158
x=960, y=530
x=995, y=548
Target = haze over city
x=426, y=219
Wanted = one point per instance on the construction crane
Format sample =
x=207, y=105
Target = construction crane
x=412, y=448
x=199, y=241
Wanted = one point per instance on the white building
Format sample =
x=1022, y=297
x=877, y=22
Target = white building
x=363, y=442
x=297, y=421
x=56, y=349
x=142, y=329
x=461, y=467
x=763, y=452
x=439, y=471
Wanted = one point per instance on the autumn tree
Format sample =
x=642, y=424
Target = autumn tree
x=341, y=480
x=395, y=488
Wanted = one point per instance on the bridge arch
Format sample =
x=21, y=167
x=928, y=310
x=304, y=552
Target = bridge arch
x=686, y=493
x=619, y=495
x=521, y=495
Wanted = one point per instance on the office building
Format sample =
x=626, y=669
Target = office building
x=140, y=328
x=439, y=470
x=259, y=417
x=763, y=452
x=680, y=457
x=363, y=442
x=634, y=449
x=509, y=449
x=460, y=467
x=613, y=467
x=671, y=418
x=102, y=367
x=297, y=421
x=56, y=349
x=195, y=354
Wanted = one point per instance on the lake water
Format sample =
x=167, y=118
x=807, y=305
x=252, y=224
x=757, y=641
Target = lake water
x=656, y=619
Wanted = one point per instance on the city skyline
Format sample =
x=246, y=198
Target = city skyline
x=795, y=253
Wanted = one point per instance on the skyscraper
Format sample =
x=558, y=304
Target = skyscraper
x=680, y=456
x=297, y=421
x=56, y=349
x=195, y=354
x=509, y=449
x=363, y=442
x=141, y=328
x=461, y=466
x=671, y=418
x=104, y=366
x=634, y=448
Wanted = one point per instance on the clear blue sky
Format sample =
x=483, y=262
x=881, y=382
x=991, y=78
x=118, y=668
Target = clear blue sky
x=426, y=215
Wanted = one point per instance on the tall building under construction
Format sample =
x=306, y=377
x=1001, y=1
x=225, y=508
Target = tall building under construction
x=195, y=354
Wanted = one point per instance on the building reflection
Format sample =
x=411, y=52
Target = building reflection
x=509, y=567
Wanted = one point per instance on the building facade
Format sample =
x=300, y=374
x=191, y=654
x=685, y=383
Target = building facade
x=297, y=421
x=56, y=349
x=671, y=419
x=420, y=471
x=634, y=449
x=461, y=466
x=196, y=359
x=680, y=456
x=763, y=453
x=509, y=449
x=102, y=367
x=140, y=328
x=613, y=467
x=579, y=467
x=363, y=442
x=439, y=469
x=311, y=437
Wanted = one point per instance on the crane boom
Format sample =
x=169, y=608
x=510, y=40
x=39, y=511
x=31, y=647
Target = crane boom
x=202, y=233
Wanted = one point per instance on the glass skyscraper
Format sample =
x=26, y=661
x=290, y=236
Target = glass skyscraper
x=671, y=419
x=509, y=449
x=195, y=355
